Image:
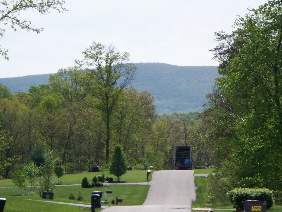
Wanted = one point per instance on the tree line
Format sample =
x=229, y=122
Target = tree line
x=242, y=122
x=83, y=113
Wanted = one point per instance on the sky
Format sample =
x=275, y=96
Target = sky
x=176, y=32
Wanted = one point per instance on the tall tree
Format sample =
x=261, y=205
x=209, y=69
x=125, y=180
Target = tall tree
x=71, y=84
x=251, y=64
x=109, y=73
x=159, y=149
x=10, y=11
x=48, y=116
x=133, y=122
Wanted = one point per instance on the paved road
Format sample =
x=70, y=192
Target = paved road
x=170, y=191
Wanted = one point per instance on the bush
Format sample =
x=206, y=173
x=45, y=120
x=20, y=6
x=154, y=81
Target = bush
x=59, y=170
x=140, y=167
x=98, y=184
x=94, y=179
x=79, y=196
x=218, y=187
x=101, y=178
x=71, y=196
x=238, y=195
x=85, y=183
x=109, y=179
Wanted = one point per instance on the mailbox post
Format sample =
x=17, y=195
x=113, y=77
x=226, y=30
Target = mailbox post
x=148, y=174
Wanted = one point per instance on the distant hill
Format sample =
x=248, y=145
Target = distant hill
x=176, y=89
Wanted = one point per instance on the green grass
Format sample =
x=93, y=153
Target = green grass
x=131, y=194
x=203, y=198
x=6, y=183
x=203, y=171
x=14, y=204
x=130, y=176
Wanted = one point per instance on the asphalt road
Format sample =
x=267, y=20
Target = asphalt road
x=170, y=191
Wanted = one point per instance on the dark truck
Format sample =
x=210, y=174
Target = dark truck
x=183, y=157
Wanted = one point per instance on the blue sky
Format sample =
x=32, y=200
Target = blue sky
x=177, y=32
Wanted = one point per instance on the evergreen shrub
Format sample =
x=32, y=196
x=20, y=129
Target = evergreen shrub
x=71, y=196
x=238, y=195
x=109, y=179
x=99, y=184
x=79, y=196
x=85, y=183
x=101, y=178
x=94, y=179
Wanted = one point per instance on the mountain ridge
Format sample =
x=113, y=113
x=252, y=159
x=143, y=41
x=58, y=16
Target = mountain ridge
x=176, y=89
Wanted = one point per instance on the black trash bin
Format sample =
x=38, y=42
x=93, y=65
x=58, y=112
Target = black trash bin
x=254, y=205
x=95, y=201
x=44, y=194
x=47, y=195
x=50, y=195
x=100, y=193
x=2, y=204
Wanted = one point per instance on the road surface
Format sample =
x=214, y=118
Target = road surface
x=170, y=191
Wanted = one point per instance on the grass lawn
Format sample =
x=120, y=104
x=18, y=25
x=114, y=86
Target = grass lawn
x=203, y=171
x=130, y=176
x=131, y=194
x=203, y=200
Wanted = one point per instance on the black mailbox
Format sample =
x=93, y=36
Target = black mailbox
x=254, y=205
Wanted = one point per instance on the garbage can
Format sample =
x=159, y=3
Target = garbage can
x=100, y=193
x=254, y=205
x=47, y=195
x=2, y=204
x=95, y=201
x=50, y=195
x=44, y=194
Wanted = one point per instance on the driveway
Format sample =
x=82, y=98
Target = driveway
x=170, y=191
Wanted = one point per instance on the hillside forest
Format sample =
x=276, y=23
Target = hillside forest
x=176, y=89
x=83, y=112
x=86, y=110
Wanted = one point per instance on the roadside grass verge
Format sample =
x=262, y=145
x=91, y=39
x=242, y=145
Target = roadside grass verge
x=203, y=196
x=203, y=171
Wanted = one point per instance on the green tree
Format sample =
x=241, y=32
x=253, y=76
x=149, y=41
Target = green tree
x=71, y=84
x=132, y=123
x=16, y=146
x=158, y=150
x=10, y=11
x=118, y=163
x=4, y=92
x=47, y=120
x=32, y=172
x=59, y=170
x=37, y=154
x=19, y=179
x=108, y=74
x=47, y=172
x=37, y=94
x=250, y=61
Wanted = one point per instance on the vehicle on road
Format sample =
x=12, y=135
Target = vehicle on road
x=183, y=157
